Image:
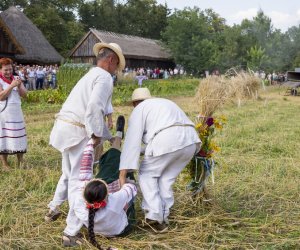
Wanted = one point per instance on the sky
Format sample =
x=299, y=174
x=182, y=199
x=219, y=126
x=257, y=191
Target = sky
x=284, y=13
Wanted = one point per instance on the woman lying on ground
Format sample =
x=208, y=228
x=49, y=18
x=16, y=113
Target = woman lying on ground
x=101, y=208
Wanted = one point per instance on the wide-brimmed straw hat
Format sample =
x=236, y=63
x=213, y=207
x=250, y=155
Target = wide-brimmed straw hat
x=140, y=94
x=115, y=48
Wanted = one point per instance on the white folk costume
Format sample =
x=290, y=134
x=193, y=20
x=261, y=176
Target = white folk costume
x=81, y=115
x=110, y=220
x=171, y=141
x=12, y=126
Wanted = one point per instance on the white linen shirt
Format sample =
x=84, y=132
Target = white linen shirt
x=156, y=122
x=110, y=220
x=14, y=96
x=85, y=105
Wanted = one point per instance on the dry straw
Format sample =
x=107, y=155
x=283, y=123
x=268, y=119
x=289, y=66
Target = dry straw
x=215, y=91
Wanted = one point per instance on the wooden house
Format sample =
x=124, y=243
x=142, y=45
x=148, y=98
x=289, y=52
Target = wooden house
x=22, y=41
x=138, y=51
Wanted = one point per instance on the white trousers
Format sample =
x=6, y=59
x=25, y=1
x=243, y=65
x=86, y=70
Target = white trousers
x=68, y=181
x=156, y=177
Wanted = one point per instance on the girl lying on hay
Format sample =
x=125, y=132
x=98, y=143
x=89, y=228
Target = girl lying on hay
x=100, y=204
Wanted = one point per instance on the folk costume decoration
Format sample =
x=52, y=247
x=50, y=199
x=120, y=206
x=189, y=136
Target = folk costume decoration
x=13, y=137
x=171, y=141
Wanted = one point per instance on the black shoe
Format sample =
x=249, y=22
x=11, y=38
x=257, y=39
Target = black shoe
x=120, y=124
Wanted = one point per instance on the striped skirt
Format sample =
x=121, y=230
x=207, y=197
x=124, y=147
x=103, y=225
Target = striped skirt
x=12, y=130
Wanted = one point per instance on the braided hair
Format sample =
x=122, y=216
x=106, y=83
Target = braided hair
x=94, y=191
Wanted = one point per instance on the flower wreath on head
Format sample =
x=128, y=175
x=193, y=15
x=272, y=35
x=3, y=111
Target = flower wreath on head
x=100, y=204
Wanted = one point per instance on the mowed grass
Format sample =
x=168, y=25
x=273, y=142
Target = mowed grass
x=255, y=199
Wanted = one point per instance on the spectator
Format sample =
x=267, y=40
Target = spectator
x=31, y=78
x=40, y=75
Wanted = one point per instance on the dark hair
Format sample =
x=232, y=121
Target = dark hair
x=95, y=191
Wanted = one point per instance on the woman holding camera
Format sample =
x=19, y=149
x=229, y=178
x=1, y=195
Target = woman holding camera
x=13, y=138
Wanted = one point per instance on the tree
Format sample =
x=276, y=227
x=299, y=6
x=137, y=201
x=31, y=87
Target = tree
x=143, y=18
x=5, y=4
x=296, y=63
x=57, y=21
x=192, y=36
x=99, y=14
x=256, y=57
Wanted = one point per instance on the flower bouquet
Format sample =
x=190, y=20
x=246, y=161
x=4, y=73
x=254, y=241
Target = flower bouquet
x=202, y=165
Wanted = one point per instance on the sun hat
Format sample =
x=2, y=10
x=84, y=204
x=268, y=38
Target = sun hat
x=115, y=48
x=140, y=94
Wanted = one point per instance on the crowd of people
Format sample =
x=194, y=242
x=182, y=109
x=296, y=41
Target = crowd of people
x=156, y=73
x=273, y=78
x=158, y=130
x=36, y=77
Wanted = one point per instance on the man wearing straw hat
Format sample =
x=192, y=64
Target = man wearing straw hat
x=82, y=118
x=171, y=141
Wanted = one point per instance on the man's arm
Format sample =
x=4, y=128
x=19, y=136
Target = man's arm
x=132, y=145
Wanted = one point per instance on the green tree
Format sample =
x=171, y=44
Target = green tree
x=256, y=57
x=143, y=18
x=5, y=4
x=296, y=62
x=193, y=38
x=99, y=14
x=57, y=21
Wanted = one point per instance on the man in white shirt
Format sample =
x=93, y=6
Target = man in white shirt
x=171, y=141
x=40, y=76
x=82, y=118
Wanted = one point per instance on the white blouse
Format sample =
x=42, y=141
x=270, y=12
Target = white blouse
x=110, y=220
x=14, y=97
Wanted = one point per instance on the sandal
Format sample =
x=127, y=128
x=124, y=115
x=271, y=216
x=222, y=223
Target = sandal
x=52, y=215
x=155, y=226
x=72, y=241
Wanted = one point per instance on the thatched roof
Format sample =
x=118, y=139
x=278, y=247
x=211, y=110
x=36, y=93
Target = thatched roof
x=132, y=46
x=36, y=47
x=17, y=48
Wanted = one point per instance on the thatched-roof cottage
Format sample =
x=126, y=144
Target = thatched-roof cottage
x=21, y=40
x=138, y=51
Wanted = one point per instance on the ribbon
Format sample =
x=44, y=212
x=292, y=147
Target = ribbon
x=96, y=205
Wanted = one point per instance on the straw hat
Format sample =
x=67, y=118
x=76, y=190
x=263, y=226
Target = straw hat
x=115, y=48
x=140, y=94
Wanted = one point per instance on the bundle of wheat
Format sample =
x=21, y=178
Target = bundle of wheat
x=211, y=95
x=215, y=91
x=242, y=86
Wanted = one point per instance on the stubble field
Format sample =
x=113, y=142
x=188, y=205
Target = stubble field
x=255, y=199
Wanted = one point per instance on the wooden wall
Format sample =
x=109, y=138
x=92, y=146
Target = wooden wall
x=84, y=54
x=86, y=48
x=6, y=46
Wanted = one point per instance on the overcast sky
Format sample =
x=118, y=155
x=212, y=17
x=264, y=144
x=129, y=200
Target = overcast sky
x=284, y=13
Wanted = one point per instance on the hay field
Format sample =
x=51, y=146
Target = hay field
x=255, y=199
